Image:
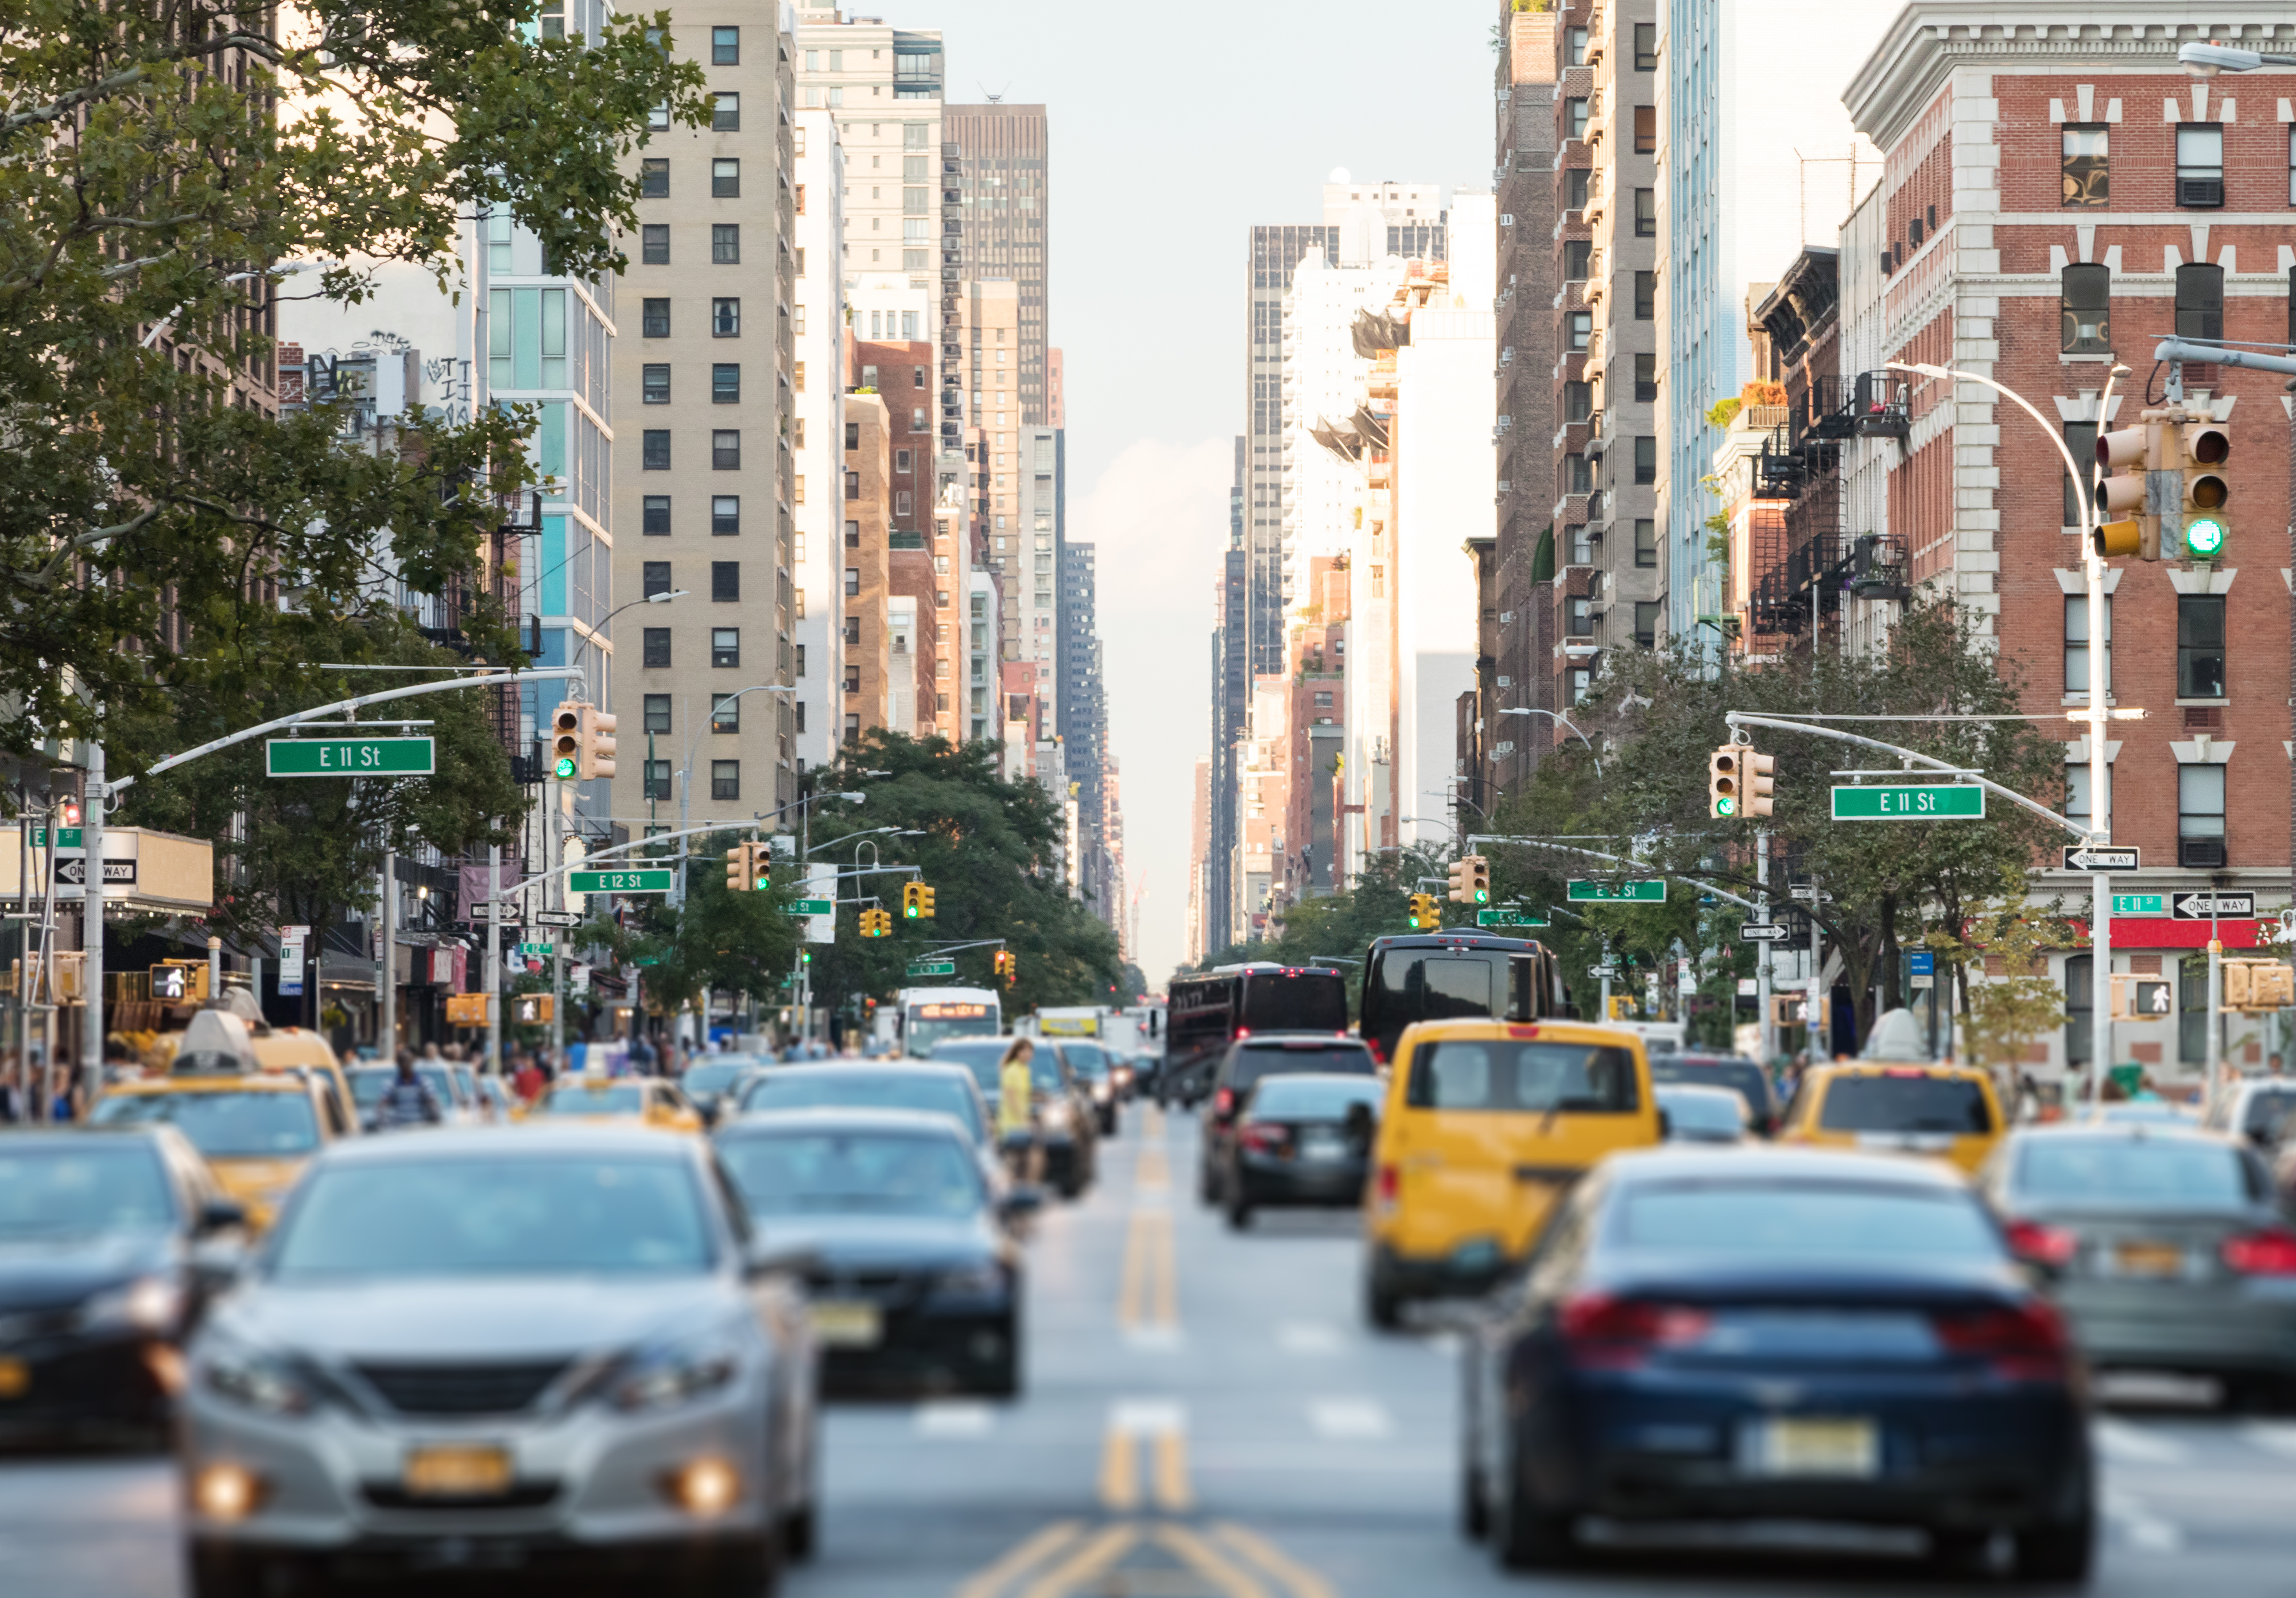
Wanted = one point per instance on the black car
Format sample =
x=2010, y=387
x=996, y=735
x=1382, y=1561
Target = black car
x=1744, y=1076
x=1095, y=1069
x=1065, y=1126
x=1267, y=1055
x=1300, y=1139
x=1749, y=1335
x=109, y=1243
x=915, y=1276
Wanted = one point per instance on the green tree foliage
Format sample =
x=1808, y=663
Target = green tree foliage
x=717, y=941
x=2009, y=1001
x=156, y=159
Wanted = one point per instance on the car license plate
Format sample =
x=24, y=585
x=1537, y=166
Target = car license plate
x=15, y=1378
x=2149, y=1260
x=456, y=1470
x=1839, y=1448
x=849, y=1325
x=1322, y=1145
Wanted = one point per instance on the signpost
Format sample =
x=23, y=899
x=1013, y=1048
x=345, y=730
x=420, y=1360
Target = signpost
x=932, y=968
x=1507, y=918
x=1763, y=931
x=2090, y=857
x=1645, y=891
x=1928, y=802
x=2183, y=906
x=2140, y=904
x=349, y=756
x=620, y=881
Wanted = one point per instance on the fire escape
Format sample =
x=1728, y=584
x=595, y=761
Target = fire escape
x=1801, y=568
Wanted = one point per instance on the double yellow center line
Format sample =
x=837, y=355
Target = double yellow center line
x=1148, y=1291
x=1066, y=1560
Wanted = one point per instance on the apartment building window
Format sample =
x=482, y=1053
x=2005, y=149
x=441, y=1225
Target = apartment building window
x=852, y=535
x=725, y=715
x=725, y=383
x=725, y=582
x=852, y=579
x=1579, y=617
x=657, y=714
x=657, y=778
x=1645, y=542
x=2076, y=643
x=655, y=445
x=724, y=779
x=2086, y=148
x=852, y=435
x=1645, y=378
x=653, y=578
x=1582, y=683
x=800, y=260
x=853, y=679
x=901, y=503
x=1645, y=296
x=2200, y=302
x=657, y=646
x=801, y=672
x=2291, y=163
x=724, y=450
x=2081, y=439
x=1578, y=184
x=1574, y=117
x=725, y=243
x=2077, y=795
x=724, y=647
x=653, y=319
x=902, y=458
x=658, y=117
x=654, y=516
x=653, y=383
x=1645, y=130
x=724, y=46
x=653, y=245
x=853, y=631
x=653, y=178
x=799, y=708
x=1578, y=256
x=2200, y=646
x=1645, y=46
x=1646, y=622
x=2200, y=816
x=1646, y=459
x=1646, y=213
x=1574, y=46
x=1582, y=329
x=725, y=113
x=2200, y=164
x=2084, y=307
x=1577, y=401
x=724, y=515
x=1577, y=474
x=724, y=179
x=853, y=726
x=725, y=319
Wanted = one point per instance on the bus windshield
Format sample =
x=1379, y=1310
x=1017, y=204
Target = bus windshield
x=1295, y=1001
x=933, y=1020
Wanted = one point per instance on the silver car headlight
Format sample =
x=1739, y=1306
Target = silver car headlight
x=257, y=1380
x=1101, y=1092
x=1054, y=1112
x=675, y=1373
x=147, y=1303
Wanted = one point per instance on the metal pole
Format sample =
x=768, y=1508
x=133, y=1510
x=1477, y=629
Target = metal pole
x=215, y=969
x=2215, y=1053
x=494, y=960
x=557, y=938
x=1762, y=981
x=1815, y=1003
x=386, y=967
x=92, y=807
x=48, y=975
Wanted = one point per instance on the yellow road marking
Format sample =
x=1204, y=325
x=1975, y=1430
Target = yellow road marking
x=1231, y=1579
x=1297, y=1580
x=1152, y=1169
x=990, y=1579
x=1100, y=1551
x=1152, y=1122
x=1119, y=1471
x=1172, y=1492
x=1148, y=1292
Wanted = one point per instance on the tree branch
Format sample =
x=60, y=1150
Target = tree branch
x=56, y=108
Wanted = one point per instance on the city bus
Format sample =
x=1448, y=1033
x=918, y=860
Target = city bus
x=1203, y=1014
x=927, y=1015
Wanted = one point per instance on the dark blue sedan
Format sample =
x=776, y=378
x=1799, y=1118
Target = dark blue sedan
x=1797, y=1334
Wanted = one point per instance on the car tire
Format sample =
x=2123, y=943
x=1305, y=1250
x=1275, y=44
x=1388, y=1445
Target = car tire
x=1002, y=1379
x=800, y=1534
x=1239, y=1215
x=1474, y=1508
x=1382, y=1306
x=750, y=1567
x=1525, y=1534
x=216, y=1571
x=2059, y=1551
x=1208, y=1183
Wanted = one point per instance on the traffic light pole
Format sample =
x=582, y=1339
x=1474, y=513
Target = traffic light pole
x=1762, y=980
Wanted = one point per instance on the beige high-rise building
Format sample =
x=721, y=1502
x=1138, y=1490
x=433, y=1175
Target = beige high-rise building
x=818, y=439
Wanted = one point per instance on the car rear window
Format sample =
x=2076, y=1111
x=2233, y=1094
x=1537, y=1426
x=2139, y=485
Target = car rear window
x=224, y=1126
x=859, y=1087
x=1255, y=1061
x=1772, y=1220
x=1426, y=985
x=1088, y=1060
x=70, y=1190
x=2146, y=1172
x=1312, y=1098
x=1908, y=1104
x=1308, y=1001
x=2267, y=1109
x=1703, y=1109
x=1499, y=1074
x=852, y=1173
x=1744, y=1076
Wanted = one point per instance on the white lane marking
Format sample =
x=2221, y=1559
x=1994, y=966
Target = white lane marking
x=1155, y=1340
x=2131, y=1445
x=1147, y=1417
x=1308, y=1337
x=2144, y=1529
x=1353, y=1420
x=954, y=1417
x=2272, y=1436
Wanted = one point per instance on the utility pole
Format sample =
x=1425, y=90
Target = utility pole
x=494, y=960
x=386, y=975
x=1762, y=980
x=91, y=1014
x=558, y=798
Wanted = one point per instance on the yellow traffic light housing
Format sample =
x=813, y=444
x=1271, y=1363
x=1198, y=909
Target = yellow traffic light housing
x=596, y=740
x=741, y=869
x=1479, y=879
x=913, y=900
x=925, y=900
x=1425, y=915
x=566, y=739
x=1756, y=782
x=1724, y=780
x=1458, y=874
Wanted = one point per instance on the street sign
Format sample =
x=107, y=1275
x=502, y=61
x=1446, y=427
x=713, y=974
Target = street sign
x=2088, y=857
x=932, y=968
x=1922, y=962
x=814, y=907
x=536, y=948
x=556, y=918
x=74, y=871
x=349, y=757
x=2186, y=906
x=1761, y=931
x=1928, y=801
x=1602, y=971
x=1645, y=891
x=1507, y=918
x=618, y=882
x=66, y=838
x=2140, y=904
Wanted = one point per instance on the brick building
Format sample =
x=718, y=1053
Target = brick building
x=918, y=552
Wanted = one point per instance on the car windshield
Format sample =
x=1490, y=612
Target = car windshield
x=1306, y=1001
x=1330, y=1057
x=594, y=1098
x=1708, y=1070
x=1498, y=1074
x=224, y=1124
x=716, y=1076
x=1708, y=1110
x=1915, y=1101
x=2164, y=1173
x=70, y=1190
x=1314, y=1098
x=1776, y=1221
x=490, y=1214
x=864, y=1173
x=368, y=1086
x=2268, y=1108
x=857, y=1088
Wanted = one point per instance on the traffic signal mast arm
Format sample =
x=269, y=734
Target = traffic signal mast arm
x=1572, y=848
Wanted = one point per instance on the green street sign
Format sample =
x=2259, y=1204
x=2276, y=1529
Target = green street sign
x=1646, y=891
x=66, y=838
x=536, y=948
x=1934, y=801
x=932, y=968
x=1506, y=918
x=813, y=907
x=2140, y=904
x=618, y=882
x=350, y=758
x=646, y=959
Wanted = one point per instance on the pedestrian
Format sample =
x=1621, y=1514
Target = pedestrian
x=641, y=1053
x=408, y=1100
x=528, y=1081
x=15, y=1108
x=1016, y=1109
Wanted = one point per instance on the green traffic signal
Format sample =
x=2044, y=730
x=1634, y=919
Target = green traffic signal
x=1482, y=895
x=1725, y=806
x=2204, y=536
x=565, y=770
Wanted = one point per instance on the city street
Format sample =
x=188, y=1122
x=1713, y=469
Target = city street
x=1206, y=1414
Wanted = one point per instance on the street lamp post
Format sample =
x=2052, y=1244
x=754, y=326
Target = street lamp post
x=1562, y=720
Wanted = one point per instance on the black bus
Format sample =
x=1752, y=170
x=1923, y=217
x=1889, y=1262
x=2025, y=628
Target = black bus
x=1202, y=1015
x=1442, y=976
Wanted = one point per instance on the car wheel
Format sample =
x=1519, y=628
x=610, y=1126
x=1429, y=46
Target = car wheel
x=2059, y=1551
x=1525, y=1534
x=1475, y=1509
x=1239, y=1215
x=1382, y=1306
x=1958, y=1550
x=1208, y=1187
x=799, y=1534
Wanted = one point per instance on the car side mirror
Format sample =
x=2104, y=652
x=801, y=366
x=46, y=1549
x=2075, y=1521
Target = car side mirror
x=219, y=1215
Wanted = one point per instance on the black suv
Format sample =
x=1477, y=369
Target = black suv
x=1267, y=1055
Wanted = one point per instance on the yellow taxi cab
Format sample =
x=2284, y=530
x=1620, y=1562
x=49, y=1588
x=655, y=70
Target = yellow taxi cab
x=298, y=1048
x=643, y=1100
x=1947, y=1111
x=1486, y=1124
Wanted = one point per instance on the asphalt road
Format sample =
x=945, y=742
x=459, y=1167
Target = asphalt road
x=1206, y=1414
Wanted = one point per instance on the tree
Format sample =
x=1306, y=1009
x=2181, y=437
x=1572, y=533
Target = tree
x=718, y=941
x=158, y=159
x=2016, y=1003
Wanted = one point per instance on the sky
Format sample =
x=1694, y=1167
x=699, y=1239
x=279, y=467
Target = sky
x=1173, y=131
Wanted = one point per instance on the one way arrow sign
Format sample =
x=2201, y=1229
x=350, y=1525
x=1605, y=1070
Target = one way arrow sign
x=72, y=871
x=2091, y=856
x=1760, y=931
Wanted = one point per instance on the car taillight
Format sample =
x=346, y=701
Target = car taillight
x=2026, y=1343
x=2032, y=1242
x=1223, y=1101
x=1390, y=1185
x=1605, y=1334
x=1244, y=1031
x=2261, y=1253
x=1378, y=1052
x=1263, y=1139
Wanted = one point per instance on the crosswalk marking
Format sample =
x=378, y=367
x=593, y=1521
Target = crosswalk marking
x=1308, y=1337
x=1353, y=1420
x=2128, y=1445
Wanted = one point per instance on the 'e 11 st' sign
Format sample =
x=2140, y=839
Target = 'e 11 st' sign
x=349, y=757
x=1937, y=802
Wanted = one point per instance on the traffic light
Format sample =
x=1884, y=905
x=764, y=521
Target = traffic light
x=2207, y=447
x=532, y=1009
x=913, y=900
x=1008, y=967
x=742, y=868
x=1424, y=914
x=597, y=757
x=924, y=900
x=1479, y=879
x=1724, y=780
x=2257, y=984
x=1458, y=876
x=2140, y=999
x=1756, y=781
x=566, y=739
x=72, y=812
x=876, y=924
